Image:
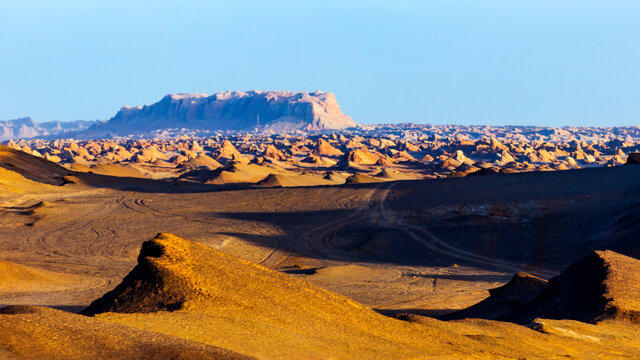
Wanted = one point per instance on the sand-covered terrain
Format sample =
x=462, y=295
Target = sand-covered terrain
x=256, y=259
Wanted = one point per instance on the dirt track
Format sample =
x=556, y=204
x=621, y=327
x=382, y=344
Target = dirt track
x=424, y=245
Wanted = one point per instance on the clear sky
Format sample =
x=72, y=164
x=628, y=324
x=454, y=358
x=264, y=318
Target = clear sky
x=538, y=62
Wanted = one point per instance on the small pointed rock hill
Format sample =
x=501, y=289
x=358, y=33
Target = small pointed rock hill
x=604, y=285
x=232, y=110
x=189, y=290
x=177, y=274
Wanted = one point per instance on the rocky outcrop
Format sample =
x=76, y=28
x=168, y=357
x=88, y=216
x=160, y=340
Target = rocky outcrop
x=324, y=148
x=601, y=286
x=362, y=157
x=231, y=110
x=633, y=158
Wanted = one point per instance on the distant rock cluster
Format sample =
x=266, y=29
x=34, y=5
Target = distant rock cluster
x=364, y=155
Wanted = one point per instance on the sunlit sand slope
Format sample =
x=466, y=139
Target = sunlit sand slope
x=188, y=290
x=31, y=332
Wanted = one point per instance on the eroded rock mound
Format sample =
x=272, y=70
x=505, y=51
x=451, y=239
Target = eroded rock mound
x=273, y=153
x=603, y=285
x=176, y=274
x=362, y=157
x=324, y=148
x=160, y=281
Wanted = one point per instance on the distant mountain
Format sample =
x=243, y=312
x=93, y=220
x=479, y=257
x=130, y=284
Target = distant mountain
x=232, y=110
x=25, y=128
x=180, y=113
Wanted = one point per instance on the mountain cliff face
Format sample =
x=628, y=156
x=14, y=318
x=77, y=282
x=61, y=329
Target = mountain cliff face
x=18, y=128
x=232, y=110
x=25, y=128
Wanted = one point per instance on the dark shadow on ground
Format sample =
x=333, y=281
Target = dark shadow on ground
x=398, y=313
x=462, y=277
x=169, y=186
x=68, y=308
x=542, y=246
x=574, y=212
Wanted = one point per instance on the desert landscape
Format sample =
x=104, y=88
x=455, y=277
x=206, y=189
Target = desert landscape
x=234, y=246
x=309, y=180
x=368, y=154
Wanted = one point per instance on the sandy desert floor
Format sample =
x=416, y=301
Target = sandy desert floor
x=413, y=244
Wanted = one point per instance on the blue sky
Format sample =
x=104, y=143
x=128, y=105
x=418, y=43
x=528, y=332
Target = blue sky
x=462, y=62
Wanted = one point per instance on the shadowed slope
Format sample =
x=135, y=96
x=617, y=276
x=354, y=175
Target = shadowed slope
x=603, y=285
x=30, y=332
x=520, y=289
x=32, y=167
x=238, y=173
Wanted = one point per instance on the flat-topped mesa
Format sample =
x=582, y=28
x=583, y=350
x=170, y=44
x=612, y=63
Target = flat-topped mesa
x=232, y=110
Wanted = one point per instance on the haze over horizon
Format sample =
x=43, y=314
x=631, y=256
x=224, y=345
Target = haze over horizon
x=495, y=62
